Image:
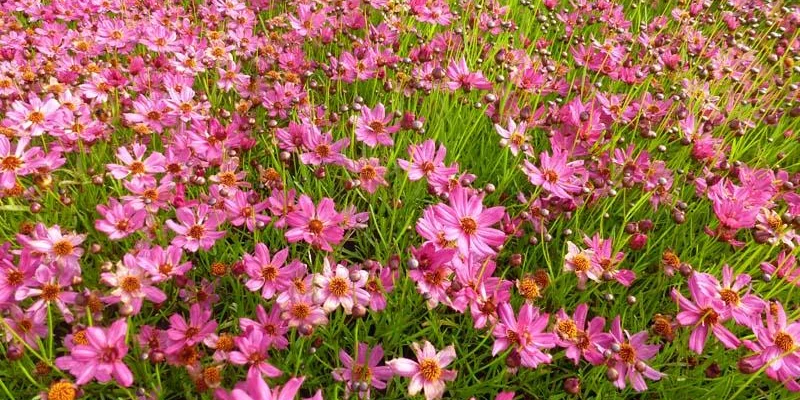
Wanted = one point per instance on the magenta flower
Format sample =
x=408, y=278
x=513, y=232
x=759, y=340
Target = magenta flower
x=16, y=161
x=581, y=340
x=51, y=286
x=197, y=230
x=268, y=274
x=254, y=388
x=131, y=285
x=138, y=168
x=777, y=348
x=322, y=149
x=373, y=127
x=163, y=264
x=745, y=308
x=606, y=261
x=629, y=360
x=580, y=262
x=459, y=77
x=62, y=249
x=242, y=212
x=253, y=351
x=318, y=225
x=199, y=327
x=29, y=326
x=704, y=312
x=12, y=276
x=514, y=137
x=101, y=358
x=335, y=287
x=362, y=369
x=525, y=334
x=555, y=174
x=427, y=373
x=302, y=310
x=426, y=161
x=272, y=326
x=466, y=222
x=433, y=272
x=119, y=220
x=370, y=173
x=35, y=116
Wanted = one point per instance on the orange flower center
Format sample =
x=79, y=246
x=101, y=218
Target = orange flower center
x=627, y=353
x=784, y=341
x=300, y=311
x=196, y=232
x=581, y=263
x=137, y=167
x=50, y=292
x=10, y=163
x=338, y=286
x=367, y=173
x=269, y=273
x=315, y=226
x=36, y=117
x=63, y=248
x=430, y=370
x=469, y=225
x=729, y=296
x=227, y=178
x=62, y=390
x=130, y=284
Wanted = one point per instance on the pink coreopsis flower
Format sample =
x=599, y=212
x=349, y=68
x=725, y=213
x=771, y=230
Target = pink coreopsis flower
x=16, y=275
x=629, y=360
x=459, y=77
x=272, y=326
x=35, y=116
x=321, y=149
x=335, y=287
x=581, y=340
x=197, y=229
x=119, y=220
x=426, y=161
x=242, y=212
x=62, y=249
x=253, y=349
x=432, y=273
x=281, y=203
x=101, y=357
x=302, y=310
x=30, y=326
x=606, y=261
x=318, y=225
x=427, y=373
x=373, y=127
x=745, y=308
x=704, y=313
x=466, y=222
x=580, y=262
x=370, y=173
x=363, y=368
x=131, y=285
x=514, y=137
x=525, y=334
x=379, y=283
x=199, y=327
x=16, y=161
x=163, y=264
x=777, y=348
x=268, y=273
x=138, y=168
x=254, y=388
x=555, y=174
x=49, y=286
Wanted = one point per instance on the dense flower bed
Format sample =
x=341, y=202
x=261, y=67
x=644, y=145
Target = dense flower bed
x=385, y=199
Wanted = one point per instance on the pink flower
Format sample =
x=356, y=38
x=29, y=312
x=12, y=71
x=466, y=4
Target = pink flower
x=131, y=285
x=302, y=310
x=268, y=274
x=30, y=326
x=17, y=161
x=197, y=229
x=745, y=308
x=163, y=264
x=427, y=373
x=34, y=117
x=272, y=326
x=119, y=220
x=459, y=77
x=370, y=173
x=581, y=340
x=101, y=358
x=199, y=327
x=373, y=127
x=318, y=225
x=466, y=222
x=253, y=351
x=138, y=168
x=335, y=287
x=322, y=149
x=432, y=273
x=629, y=360
x=777, y=348
x=51, y=286
x=241, y=211
x=580, y=262
x=426, y=161
x=525, y=334
x=254, y=388
x=555, y=174
x=514, y=137
x=363, y=368
x=62, y=249
x=704, y=312
x=605, y=261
